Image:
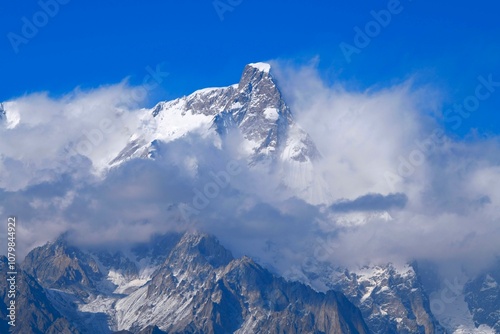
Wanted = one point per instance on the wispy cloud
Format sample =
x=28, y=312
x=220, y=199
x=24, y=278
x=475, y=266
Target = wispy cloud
x=447, y=210
x=44, y=136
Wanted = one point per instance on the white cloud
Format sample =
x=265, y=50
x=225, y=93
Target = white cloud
x=41, y=132
x=451, y=212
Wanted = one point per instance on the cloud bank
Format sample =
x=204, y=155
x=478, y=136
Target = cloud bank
x=403, y=189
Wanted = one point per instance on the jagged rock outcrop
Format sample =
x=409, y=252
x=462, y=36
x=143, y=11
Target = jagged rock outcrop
x=391, y=298
x=192, y=285
x=34, y=312
x=482, y=295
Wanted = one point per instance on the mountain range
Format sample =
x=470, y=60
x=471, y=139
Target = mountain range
x=176, y=283
x=187, y=282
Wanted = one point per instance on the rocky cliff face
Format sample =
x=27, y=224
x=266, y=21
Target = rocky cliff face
x=34, y=312
x=482, y=295
x=391, y=298
x=182, y=284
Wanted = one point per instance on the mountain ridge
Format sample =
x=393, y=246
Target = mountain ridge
x=199, y=287
x=255, y=108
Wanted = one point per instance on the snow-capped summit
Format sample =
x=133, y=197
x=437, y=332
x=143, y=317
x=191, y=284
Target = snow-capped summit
x=255, y=107
x=264, y=67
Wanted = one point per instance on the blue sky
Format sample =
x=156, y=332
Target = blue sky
x=90, y=43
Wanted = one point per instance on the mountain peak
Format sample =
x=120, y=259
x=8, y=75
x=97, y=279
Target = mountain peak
x=263, y=67
x=258, y=74
x=205, y=245
x=256, y=108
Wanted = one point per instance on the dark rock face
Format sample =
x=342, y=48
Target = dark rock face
x=196, y=286
x=147, y=330
x=257, y=92
x=60, y=266
x=2, y=112
x=227, y=296
x=392, y=300
x=34, y=312
x=482, y=295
